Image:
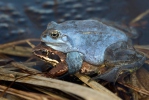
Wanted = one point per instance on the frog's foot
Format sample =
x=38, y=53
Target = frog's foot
x=74, y=61
x=60, y=69
x=108, y=76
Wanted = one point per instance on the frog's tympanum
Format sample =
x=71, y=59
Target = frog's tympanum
x=95, y=43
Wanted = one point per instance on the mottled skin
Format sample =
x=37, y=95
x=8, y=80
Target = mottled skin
x=93, y=42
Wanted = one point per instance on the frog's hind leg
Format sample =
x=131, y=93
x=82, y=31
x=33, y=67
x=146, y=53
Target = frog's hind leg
x=132, y=66
x=120, y=59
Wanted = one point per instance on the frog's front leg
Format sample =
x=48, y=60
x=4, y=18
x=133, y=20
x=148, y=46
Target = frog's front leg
x=74, y=61
x=121, y=60
x=59, y=70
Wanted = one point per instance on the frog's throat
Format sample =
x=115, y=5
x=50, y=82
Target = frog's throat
x=54, y=44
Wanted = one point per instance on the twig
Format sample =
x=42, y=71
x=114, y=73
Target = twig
x=49, y=93
x=27, y=95
x=96, y=86
x=29, y=43
x=23, y=67
x=142, y=47
x=17, y=51
x=16, y=43
x=1, y=98
x=139, y=17
x=143, y=91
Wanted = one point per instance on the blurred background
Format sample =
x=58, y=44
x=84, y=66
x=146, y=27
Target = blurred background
x=20, y=19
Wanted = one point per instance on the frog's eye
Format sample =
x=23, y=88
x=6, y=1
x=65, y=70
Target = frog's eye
x=54, y=34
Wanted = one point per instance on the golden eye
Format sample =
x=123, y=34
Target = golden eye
x=54, y=34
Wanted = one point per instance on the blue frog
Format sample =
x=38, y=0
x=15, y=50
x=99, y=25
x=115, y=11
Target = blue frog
x=96, y=43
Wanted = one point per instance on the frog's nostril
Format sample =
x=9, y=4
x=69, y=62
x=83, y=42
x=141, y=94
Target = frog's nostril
x=44, y=35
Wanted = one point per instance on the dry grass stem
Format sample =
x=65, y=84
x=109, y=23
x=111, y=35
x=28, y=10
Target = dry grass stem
x=25, y=68
x=27, y=95
x=16, y=43
x=143, y=91
x=96, y=86
x=84, y=92
x=17, y=51
x=139, y=17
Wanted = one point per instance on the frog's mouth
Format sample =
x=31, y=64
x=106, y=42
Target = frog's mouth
x=51, y=43
x=45, y=56
x=62, y=47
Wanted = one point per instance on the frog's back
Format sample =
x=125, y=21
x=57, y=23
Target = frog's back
x=92, y=38
x=82, y=25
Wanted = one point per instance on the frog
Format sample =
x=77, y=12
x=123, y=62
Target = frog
x=54, y=58
x=58, y=66
x=96, y=43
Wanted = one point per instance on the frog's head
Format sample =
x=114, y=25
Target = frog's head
x=55, y=38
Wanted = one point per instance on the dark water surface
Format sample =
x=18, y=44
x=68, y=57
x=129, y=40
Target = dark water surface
x=21, y=19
